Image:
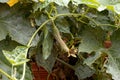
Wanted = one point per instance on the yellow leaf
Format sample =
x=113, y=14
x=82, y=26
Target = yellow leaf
x=12, y=2
x=41, y=0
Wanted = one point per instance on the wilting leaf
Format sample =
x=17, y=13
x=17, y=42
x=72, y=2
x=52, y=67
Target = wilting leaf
x=17, y=56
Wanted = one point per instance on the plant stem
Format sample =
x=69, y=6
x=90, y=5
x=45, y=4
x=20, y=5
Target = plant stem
x=12, y=71
x=48, y=76
x=11, y=78
x=24, y=69
x=30, y=41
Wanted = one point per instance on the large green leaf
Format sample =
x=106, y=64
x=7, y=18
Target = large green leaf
x=100, y=5
x=92, y=39
x=113, y=65
x=5, y=65
x=14, y=23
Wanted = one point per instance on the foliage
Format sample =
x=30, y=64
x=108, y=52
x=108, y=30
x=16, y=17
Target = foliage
x=17, y=56
x=9, y=45
x=46, y=29
x=113, y=61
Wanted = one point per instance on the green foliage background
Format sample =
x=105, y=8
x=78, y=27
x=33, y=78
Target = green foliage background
x=85, y=20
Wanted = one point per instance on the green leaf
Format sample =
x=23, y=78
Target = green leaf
x=62, y=9
x=100, y=5
x=77, y=2
x=92, y=39
x=28, y=73
x=3, y=32
x=90, y=60
x=40, y=18
x=113, y=65
x=49, y=62
x=83, y=71
x=5, y=65
x=47, y=44
x=39, y=6
x=4, y=1
x=62, y=2
x=102, y=19
x=16, y=25
x=62, y=25
x=110, y=4
x=91, y=3
x=117, y=8
x=17, y=56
